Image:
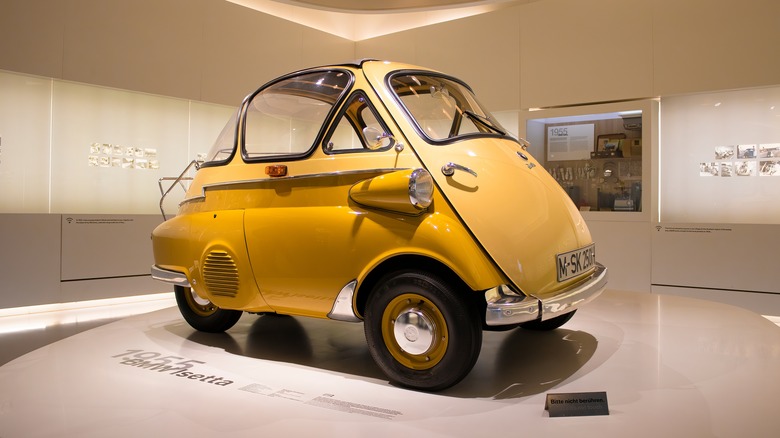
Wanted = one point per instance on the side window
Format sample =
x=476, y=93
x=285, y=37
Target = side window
x=357, y=128
x=285, y=118
x=223, y=147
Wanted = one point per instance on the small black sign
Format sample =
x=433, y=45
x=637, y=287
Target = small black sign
x=577, y=404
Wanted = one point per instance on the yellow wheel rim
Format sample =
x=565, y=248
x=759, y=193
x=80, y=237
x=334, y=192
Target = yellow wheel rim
x=200, y=306
x=414, y=331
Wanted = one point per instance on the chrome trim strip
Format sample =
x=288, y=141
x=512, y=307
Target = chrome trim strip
x=173, y=277
x=193, y=199
x=576, y=295
x=342, y=308
x=176, y=181
x=504, y=306
x=288, y=178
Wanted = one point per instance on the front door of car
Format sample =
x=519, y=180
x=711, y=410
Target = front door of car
x=506, y=198
x=304, y=236
x=519, y=214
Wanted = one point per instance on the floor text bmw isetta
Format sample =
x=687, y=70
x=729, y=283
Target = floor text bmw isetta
x=380, y=193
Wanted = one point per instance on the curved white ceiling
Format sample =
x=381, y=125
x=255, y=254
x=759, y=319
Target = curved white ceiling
x=379, y=6
x=358, y=20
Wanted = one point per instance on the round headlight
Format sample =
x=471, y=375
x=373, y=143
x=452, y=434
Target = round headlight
x=420, y=188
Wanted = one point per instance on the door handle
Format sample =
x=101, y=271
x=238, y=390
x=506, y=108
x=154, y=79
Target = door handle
x=450, y=168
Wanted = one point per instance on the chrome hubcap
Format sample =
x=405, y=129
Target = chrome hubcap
x=414, y=332
x=198, y=300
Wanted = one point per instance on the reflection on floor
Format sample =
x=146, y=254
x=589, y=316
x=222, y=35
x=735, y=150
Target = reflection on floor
x=23, y=330
x=21, y=342
x=669, y=365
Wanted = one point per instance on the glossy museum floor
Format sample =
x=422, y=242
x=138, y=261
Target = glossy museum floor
x=670, y=366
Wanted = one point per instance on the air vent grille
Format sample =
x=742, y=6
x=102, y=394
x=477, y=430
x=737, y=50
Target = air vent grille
x=220, y=274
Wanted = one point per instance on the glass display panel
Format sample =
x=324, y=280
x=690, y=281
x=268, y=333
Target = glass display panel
x=24, y=143
x=596, y=158
x=75, y=148
x=109, y=148
x=720, y=157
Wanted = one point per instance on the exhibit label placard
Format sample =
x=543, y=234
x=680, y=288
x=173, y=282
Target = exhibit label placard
x=577, y=404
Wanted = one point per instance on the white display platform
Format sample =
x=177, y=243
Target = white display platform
x=671, y=367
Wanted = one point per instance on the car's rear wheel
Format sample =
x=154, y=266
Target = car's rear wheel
x=421, y=332
x=550, y=324
x=202, y=314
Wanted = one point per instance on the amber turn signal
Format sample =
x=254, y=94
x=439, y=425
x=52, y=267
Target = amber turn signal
x=277, y=170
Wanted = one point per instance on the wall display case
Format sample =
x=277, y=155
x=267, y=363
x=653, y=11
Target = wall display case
x=720, y=157
x=719, y=215
x=595, y=153
x=73, y=148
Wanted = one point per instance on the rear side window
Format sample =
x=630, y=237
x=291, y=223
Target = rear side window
x=222, y=149
x=285, y=119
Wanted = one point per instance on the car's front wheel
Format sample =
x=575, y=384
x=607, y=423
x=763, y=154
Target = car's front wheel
x=421, y=331
x=202, y=314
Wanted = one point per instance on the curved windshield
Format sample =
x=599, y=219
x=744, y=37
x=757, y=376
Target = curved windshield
x=443, y=108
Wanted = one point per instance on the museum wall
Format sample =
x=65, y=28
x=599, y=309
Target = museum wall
x=209, y=50
x=548, y=53
x=570, y=52
x=55, y=258
x=483, y=50
x=541, y=54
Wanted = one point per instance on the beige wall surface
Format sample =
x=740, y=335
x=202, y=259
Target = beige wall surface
x=243, y=49
x=540, y=54
x=31, y=36
x=142, y=45
x=482, y=50
x=48, y=266
x=572, y=52
x=706, y=45
x=582, y=52
x=209, y=50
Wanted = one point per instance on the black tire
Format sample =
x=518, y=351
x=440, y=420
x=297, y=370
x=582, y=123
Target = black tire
x=500, y=328
x=550, y=324
x=202, y=315
x=441, y=336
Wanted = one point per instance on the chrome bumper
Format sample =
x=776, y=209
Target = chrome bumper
x=505, y=307
x=173, y=277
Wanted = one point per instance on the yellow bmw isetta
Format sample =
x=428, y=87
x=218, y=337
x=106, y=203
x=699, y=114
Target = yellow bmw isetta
x=380, y=193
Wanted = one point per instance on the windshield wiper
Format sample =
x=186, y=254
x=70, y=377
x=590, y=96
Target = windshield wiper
x=484, y=121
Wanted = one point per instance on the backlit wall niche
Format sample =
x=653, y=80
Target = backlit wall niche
x=74, y=148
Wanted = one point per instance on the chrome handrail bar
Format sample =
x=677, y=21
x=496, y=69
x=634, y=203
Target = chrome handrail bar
x=176, y=181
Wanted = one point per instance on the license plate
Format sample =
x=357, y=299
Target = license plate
x=573, y=263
